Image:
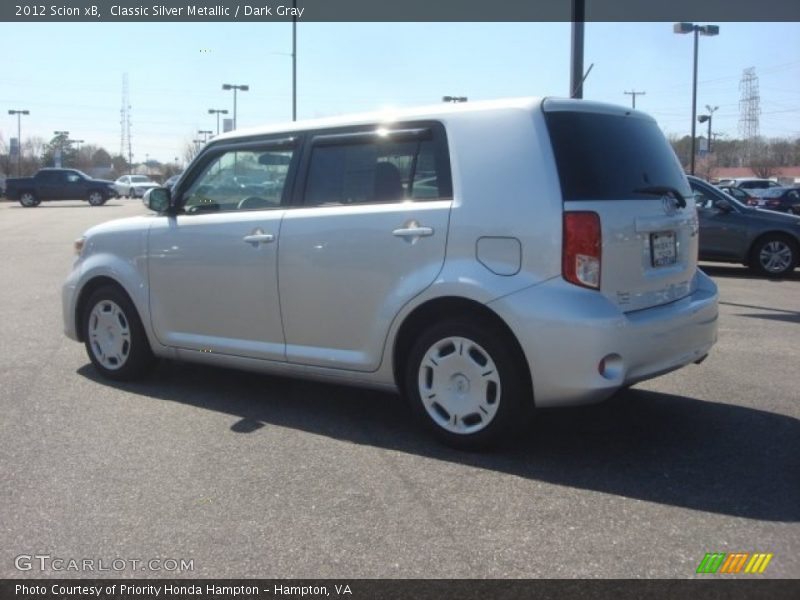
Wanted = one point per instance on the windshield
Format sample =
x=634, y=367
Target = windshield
x=705, y=194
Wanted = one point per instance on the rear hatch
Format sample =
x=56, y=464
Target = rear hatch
x=616, y=163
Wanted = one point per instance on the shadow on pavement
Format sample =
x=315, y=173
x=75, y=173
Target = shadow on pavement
x=67, y=204
x=742, y=272
x=657, y=447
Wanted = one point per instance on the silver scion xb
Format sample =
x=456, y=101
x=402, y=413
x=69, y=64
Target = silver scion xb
x=481, y=259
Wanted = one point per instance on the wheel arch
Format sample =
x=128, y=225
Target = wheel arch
x=443, y=307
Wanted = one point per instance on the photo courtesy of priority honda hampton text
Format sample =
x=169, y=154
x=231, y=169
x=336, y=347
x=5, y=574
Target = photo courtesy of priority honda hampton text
x=482, y=259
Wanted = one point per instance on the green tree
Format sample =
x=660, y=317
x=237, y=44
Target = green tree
x=62, y=143
x=101, y=158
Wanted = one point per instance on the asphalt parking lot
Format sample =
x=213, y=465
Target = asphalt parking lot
x=255, y=476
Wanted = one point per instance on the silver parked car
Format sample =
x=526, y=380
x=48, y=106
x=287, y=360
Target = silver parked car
x=482, y=259
x=134, y=186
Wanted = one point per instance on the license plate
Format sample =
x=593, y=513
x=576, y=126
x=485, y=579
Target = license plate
x=663, y=250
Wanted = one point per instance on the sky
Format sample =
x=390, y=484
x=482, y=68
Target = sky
x=69, y=75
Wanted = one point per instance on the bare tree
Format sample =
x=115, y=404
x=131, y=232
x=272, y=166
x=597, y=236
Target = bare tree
x=764, y=167
x=190, y=150
x=706, y=167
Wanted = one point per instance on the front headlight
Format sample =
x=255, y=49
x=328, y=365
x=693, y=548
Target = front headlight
x=78, y=245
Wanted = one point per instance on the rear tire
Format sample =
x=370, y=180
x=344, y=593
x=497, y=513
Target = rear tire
x=467, y=385
x=774, y=255
x=28, y=199
x=114, y=337
x=96, y=198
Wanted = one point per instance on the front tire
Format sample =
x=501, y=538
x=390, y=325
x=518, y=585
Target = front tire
x=96, y=198
x=28, y=199
x=774, y=256
x=114, y=337
x=467, y=385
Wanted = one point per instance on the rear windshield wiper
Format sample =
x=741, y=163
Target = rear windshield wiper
x=663, y=190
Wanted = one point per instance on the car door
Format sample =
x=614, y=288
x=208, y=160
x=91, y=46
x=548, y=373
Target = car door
x=723, y=231
x=75, y=187
x=122, y=185
x=213, y=266
x=368, y=235
x=50, y=185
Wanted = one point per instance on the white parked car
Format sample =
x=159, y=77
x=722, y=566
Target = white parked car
x=481, y=259
x=134, y=186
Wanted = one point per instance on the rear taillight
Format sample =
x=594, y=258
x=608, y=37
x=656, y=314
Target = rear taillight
x=582, y=251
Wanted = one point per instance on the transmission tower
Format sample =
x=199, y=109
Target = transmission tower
x=125, y=123
x=749, y=109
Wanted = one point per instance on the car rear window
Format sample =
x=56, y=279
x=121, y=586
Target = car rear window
x=608, y=157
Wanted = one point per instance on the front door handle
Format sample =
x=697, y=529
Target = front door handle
x=412, y=231
x=258, y=237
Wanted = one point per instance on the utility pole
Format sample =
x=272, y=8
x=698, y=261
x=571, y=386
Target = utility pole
x=633, y=95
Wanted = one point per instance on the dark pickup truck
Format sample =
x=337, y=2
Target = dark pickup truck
x=59, y=184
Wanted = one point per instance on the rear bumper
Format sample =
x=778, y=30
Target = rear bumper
x=566, y=331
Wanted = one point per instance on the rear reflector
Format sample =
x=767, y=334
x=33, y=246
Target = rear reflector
x=581, y=255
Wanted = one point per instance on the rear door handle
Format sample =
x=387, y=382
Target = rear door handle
x=412, y=231
x=259, y=237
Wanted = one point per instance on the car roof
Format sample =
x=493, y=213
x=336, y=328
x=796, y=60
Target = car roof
x=441, y=111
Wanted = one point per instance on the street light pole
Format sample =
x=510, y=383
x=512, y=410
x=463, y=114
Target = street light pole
x=77, y=151
x=63, y=135
x=711, y=112
x=694, y=98
x=235, y=88
x=205, y=133
x=218, y=111
x=294, y=62
x=576, y=72
x=19, y=114
x=697, y=30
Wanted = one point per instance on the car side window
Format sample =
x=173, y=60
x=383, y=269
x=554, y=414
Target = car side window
x=371, y=172
x=249, y=179
x=73, y=177
x=701, y=199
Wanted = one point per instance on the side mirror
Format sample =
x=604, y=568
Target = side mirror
x=158, y=199
x=723, y=206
